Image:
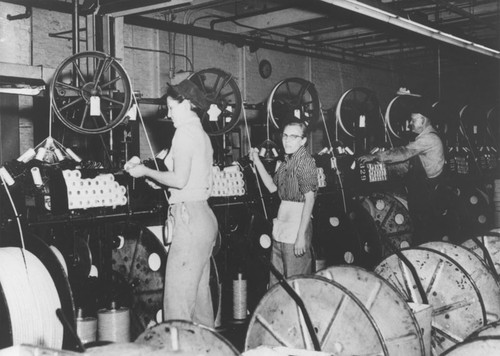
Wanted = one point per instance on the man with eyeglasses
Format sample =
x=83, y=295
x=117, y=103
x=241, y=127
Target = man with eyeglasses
x=296, y=181
x=424, y=160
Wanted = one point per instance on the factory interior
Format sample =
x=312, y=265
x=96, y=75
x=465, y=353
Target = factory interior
x=355, y=139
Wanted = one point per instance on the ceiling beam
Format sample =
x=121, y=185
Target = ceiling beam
x=275, y=19
x=131, y=7
x=412, y=26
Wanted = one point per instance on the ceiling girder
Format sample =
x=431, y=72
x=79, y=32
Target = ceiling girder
x=412, y=26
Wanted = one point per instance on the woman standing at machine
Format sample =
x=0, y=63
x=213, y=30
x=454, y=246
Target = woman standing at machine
x=296, y=181
x=189, y=178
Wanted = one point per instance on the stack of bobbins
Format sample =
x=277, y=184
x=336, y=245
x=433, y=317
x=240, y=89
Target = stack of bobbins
x=86, y=328
x=113, y=324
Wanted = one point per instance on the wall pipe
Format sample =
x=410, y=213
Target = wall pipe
x=26, y=15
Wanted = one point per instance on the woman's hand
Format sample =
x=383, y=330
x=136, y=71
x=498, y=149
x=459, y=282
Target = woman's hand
x=137, y=171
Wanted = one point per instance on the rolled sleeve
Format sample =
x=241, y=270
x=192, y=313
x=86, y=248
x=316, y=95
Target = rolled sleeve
x=307, y=176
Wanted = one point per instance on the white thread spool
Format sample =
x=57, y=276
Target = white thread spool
x=40, y=154
x=27, y=156
x=59, y=154
x=37, y=177
x=86, y=328
x=113, y=325
x=73, y=155
x=6, y=176
x=240, y=298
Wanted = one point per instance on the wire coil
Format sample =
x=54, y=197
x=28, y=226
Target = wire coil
x=113, y=325
x=31, y=298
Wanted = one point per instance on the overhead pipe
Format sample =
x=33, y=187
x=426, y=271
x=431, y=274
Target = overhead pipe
x=248, y=14
x=412, y=26
x=238, y=40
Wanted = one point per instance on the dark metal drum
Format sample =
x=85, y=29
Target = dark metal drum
x=139, y=259
x=373, y=227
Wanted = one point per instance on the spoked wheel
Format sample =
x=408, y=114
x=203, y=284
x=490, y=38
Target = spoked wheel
x=359, y=116
x=221, y=89
x=342, y=323
x=91, y=92
x=458, y=308
x=386, y=305
x=398, y=116
x=186, y=338
x=293, y=98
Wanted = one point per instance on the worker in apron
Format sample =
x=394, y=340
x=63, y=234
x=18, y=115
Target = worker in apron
x=296, y=181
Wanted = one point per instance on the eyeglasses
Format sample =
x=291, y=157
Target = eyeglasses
x=284, y=136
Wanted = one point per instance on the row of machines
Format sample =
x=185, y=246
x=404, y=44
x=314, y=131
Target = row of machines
x=107, y=227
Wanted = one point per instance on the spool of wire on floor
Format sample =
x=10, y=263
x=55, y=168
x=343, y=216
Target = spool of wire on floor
x=240, y=298
x=113, y=324
x=86, y=328
x=31, y=298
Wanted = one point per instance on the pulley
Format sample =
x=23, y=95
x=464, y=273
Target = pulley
x=293, y=98
x=359, y=117
x=91, y=93
x=221, y=89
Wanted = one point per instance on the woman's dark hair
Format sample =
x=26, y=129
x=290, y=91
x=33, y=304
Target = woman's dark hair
x=174, y=94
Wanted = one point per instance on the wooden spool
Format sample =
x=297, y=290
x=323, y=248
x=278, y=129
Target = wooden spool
x=481, y=346
x=386, y=305
x=491, y=329
x=492, y=244
x=342, y=323
x=458, y=308
x=485, y=281
x=186, y=338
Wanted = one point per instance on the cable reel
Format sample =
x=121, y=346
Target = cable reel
x=221, y=89
x=90, y=93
